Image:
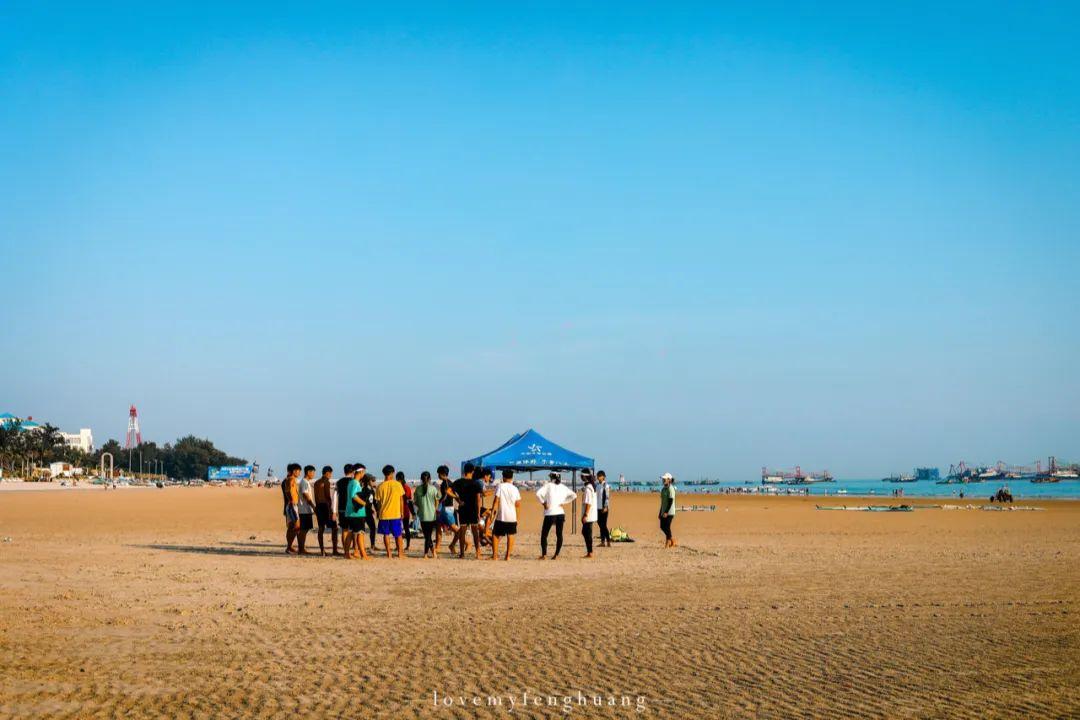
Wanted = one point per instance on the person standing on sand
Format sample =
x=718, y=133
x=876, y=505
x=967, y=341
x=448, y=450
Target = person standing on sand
x=324, y=509
x=469, y=492
x=354, y=516
x=390, y=497
x=603, y=505
x=667, y=509
x=553, y=495
x=447, y=516
x=426, y=498
x=341, y=496
x=368, y=491
x=406, y=509
x=486, y=480
x=306, y=506
x=588, y=511
x=291, y=497
x=505, y=509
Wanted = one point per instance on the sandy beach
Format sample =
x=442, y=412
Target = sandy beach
x=179, y=603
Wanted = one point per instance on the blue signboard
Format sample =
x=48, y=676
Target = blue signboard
x=230, y=472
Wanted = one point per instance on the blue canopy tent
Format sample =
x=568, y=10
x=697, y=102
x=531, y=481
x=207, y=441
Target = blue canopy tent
x=532, y=451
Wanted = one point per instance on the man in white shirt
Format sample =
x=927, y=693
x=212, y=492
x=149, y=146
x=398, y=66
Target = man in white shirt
x=306, y=506
x=504, y=510
x=553, y=495
x=588, y=513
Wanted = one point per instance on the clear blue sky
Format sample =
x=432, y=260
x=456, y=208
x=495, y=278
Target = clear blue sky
x=671, y=236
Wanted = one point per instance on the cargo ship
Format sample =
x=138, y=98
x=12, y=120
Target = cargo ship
x=961, y=474
x=1056, y=473
x=794, y=477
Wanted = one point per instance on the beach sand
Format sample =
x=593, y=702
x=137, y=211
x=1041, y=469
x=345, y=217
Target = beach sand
x=179, y=603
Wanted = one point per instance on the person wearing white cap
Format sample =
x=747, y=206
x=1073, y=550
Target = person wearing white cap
x=667, y=508
x=553, y=495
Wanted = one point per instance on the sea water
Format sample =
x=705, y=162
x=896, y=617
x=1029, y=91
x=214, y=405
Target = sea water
x=878, y=488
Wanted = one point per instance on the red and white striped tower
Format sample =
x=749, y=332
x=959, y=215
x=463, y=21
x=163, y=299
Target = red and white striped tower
x=134, y=436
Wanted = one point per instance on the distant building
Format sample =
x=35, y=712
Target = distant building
x=63, y=469
x=7, y=419
x=82, y=440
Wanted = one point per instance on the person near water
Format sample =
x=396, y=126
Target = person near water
x=469, y=492
x=588, y=512
x=290, y=495
x=426, y=498
x=447, y=516
x=667, y=509
x=390, y=496
x=505, y=510
x=354, y=516
x=306, y=507
x=324, y=508
x=603, y=506
x=406, y=508
x=553, y=495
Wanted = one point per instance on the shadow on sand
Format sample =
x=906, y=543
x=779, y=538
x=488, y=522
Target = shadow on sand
x=218, y=550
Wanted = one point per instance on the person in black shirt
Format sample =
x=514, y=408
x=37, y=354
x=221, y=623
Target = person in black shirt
x=341, y=494
x=470, y=494
x=341, y=489
x=367, y=493
x=447, y=518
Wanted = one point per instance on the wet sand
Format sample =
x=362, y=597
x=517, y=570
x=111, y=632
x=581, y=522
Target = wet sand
x=179, y=603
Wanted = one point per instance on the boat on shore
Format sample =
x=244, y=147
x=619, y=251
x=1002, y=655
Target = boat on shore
x=868, y=508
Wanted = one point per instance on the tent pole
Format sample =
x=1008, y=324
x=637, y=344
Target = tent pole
x=573, y=520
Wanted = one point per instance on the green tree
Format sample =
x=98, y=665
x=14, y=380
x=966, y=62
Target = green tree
x=190, y=457
x=10, y=444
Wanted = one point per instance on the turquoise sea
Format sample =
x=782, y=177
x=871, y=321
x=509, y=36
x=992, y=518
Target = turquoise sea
x=876, y=488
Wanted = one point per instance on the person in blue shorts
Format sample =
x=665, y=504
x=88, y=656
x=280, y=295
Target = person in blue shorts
x=390, y=497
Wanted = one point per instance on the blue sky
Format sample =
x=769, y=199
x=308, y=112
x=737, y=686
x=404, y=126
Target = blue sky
x=680, y=237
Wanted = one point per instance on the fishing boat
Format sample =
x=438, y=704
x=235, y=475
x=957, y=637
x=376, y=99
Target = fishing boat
x=899, y=479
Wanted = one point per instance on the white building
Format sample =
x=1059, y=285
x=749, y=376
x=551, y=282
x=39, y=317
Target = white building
x=83, y=440
x=63, y=469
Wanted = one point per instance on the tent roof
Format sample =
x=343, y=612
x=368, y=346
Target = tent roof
x=532, y=451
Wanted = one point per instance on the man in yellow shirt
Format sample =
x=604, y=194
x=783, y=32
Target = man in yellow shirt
x=390, y=496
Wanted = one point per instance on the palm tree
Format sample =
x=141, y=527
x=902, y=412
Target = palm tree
x=44, y=443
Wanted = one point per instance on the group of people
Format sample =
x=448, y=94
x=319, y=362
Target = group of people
x=358, y=508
